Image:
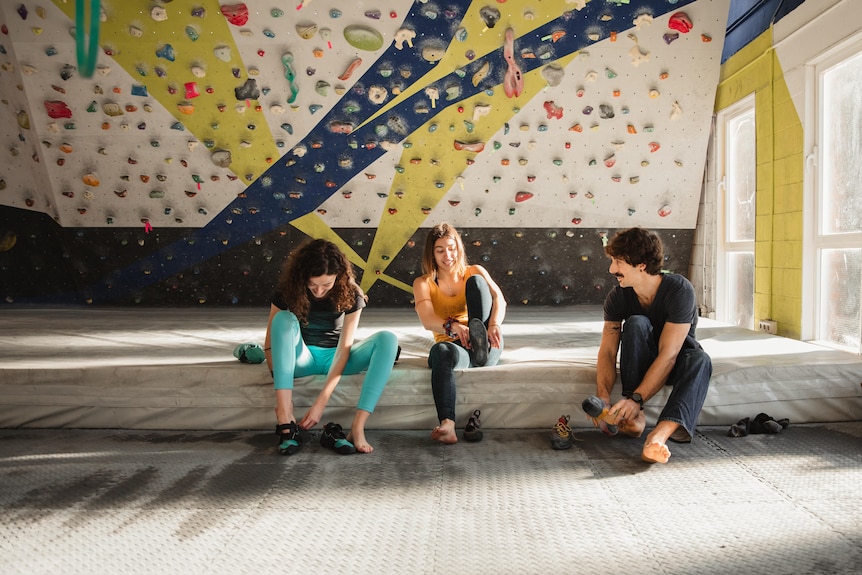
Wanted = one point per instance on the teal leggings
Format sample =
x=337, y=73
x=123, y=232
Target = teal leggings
x=292, y=358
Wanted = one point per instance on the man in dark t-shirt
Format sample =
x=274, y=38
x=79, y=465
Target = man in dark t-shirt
x=649, y=320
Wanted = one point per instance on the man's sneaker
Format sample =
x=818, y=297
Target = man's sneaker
x=561, y=436
x=478, y=341
x=473, y=430
x=289, y=442
x=333, y=438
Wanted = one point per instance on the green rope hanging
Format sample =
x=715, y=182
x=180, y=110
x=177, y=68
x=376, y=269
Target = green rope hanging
x=87, y=57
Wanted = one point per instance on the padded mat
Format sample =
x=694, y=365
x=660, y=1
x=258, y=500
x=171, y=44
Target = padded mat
x=174, y=369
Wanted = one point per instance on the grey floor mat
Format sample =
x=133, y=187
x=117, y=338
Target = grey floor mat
x=125, y=502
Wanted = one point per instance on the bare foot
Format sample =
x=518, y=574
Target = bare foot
x=445, y=432
x=633, y=427
x=357, y=438
x=655, y=452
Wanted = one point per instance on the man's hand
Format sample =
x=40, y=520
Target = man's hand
x=629, y=417
x=625, y=409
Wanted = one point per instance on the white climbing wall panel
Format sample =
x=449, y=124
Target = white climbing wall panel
x=609, y=136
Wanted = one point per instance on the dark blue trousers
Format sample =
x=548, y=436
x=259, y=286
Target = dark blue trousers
x=689, y=377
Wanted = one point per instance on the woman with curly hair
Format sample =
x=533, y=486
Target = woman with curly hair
x=312, y=325
x=464, y=308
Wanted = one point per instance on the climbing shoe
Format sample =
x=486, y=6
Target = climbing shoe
x=561, y=435
x=473, y=430
x=333, y=438
x=289, y=442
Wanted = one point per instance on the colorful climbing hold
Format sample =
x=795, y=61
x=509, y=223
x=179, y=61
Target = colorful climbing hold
x=248, y=91
x=287, y=61
x=350, y=69
x=159, y=13
x=57, y=109
x=363, y=37
x=326, y=34
x=166, y=52
x=404, y=35
x=513, y=81
x=433, y=53
x=482, y=73
x=377, y=94
x=192, y=90
x=469, y=146
x=680, y=22
x=489, y=15
x=222, y=52
x=552, y=110
x=236, y=14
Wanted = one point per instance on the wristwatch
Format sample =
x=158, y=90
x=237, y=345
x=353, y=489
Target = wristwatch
x=636, y=397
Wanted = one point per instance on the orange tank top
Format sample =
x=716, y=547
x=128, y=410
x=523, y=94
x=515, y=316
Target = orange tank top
x=448, y=306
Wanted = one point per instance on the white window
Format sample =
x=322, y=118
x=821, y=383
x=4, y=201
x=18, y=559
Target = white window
x=737, y=165
x=838, y=234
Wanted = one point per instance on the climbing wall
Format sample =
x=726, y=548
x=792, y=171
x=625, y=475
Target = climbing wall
x=210, y=138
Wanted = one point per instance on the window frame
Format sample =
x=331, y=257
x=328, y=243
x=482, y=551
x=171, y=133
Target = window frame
x=815, y=240
x=726, y=247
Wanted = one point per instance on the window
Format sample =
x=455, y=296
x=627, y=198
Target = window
x=737, y=163
x=838, y=236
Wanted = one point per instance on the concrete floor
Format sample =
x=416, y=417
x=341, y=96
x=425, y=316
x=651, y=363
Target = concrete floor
x=125, y=502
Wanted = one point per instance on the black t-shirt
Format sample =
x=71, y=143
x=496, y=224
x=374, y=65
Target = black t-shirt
x=674, y=302
x=324, y=322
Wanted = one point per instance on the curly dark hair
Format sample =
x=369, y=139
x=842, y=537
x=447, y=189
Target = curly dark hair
x=637, y=246
x=316, y=258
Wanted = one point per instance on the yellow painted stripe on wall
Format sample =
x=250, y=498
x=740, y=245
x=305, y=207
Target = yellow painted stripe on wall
x=416, y=190
x=228, y=129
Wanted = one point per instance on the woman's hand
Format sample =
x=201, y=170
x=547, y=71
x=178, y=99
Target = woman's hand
x=495, y=336
x=313, y=416
x=462, y=333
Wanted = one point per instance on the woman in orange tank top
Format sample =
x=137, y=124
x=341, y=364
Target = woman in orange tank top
x=464, y=309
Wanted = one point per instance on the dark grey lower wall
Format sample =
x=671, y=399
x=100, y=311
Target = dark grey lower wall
x=40, y=262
